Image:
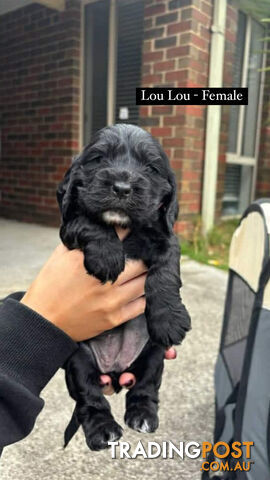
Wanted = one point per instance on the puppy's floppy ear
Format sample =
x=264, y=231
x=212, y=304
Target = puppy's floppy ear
x=170, y=206
x=67, y=192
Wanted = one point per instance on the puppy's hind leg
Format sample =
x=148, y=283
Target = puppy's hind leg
x=92, y=410
x=142, y=400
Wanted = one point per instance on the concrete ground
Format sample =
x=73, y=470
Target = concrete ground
x=186, y=397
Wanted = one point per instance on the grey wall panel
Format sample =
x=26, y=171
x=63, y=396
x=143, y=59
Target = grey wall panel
x=242, y=300
x=234, y=357
x=223, y=383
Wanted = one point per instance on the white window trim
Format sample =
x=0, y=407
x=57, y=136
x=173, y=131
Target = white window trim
x=240, y=160
x=237, y=158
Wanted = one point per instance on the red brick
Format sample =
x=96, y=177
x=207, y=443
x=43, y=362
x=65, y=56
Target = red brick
x=199, y=42
x=165, y=42
x=154, y=10
x=178, y=51
x=198, y=66
x=146, y=79
x=174, y=120
x=190, y=197
x=232, y=13
x=164, y=66
x=168, y=152
x=176, y=76
x=148, y=23
x=200, y=16
x=144, y=111
x=176, y=164
x=231, y=36
x=74, y=144
x=196, y=186
x=146, y=69
x=194, y=207
x=181, y=227
x=192, y=155
x=179, y=27
x=147, y=46
x=173, y=142
x=195, y=111
x=207, y=9
x=178, y=153
x=168, y=18
x=205, y=33
x=199, y=144
x=161, y=131
x=152, y=56
x=190, y=175
x=64, y=82
x=162, y=109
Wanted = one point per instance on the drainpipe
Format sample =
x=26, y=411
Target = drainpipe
x=213, y=116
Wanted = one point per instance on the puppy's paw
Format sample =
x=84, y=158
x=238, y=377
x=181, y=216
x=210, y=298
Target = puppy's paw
x=168, y=326
x=106, y=432
x=104, y=263
x=142, y=418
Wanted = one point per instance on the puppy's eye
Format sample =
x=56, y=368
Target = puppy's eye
x=107, y=183
x=152, y=168
x=90, y=163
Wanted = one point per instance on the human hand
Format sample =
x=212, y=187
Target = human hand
x=78, y=303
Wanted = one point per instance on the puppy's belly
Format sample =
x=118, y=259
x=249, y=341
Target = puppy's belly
x=117, y=349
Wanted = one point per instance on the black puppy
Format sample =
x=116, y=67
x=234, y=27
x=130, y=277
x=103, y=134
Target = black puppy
x=123, y=178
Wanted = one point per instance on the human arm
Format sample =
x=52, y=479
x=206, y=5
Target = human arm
x=37, y=333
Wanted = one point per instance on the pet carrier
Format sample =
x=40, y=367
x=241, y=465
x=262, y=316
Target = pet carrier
x=242, y=374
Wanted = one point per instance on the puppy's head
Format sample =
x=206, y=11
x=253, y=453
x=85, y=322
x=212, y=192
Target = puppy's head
x=122, y=178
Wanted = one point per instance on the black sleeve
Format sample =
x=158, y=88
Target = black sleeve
x=31, y=350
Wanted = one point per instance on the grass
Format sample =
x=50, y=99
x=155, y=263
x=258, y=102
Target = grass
x=214, y=248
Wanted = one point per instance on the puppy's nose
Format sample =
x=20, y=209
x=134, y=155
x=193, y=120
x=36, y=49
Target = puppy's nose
x=122, y=189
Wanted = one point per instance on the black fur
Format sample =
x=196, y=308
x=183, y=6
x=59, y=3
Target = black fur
x=131, y=157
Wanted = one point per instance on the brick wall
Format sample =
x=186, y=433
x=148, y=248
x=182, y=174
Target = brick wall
x=176, y=54
x=39, y=98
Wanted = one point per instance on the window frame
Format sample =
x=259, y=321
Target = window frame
x=113, y=31
x=111, y=75
x=237, y=158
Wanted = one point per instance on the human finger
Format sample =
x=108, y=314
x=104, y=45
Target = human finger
x=131, y=290
x=133, y=309
x=133, y=268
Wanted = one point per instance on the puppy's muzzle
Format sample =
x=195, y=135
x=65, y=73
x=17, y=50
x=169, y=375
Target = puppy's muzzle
x=121, y=189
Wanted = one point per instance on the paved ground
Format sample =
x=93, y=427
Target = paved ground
x=187, y=406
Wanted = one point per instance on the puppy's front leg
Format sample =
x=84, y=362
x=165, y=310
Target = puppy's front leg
x=103, y=251
x=167, y=317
